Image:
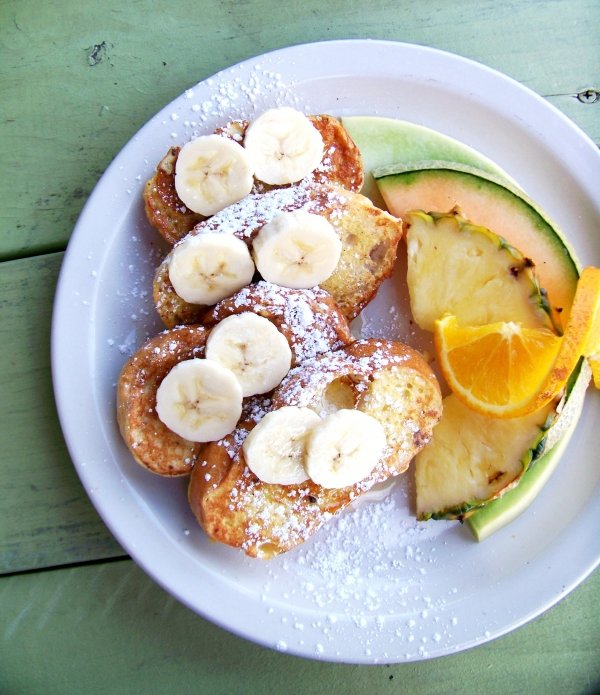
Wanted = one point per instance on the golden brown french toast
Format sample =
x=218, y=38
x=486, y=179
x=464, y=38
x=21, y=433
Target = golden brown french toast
x=309, y=320
x=369, y=238
x=341, y=164
x=151, y=443
x=388, y=380
x=388, y=386
x=165, y=211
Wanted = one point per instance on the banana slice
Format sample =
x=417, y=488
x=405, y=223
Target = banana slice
x=211, y=173
x=206, y=268
x=200, y=400
x=344, y=448
x=297, y=249
x=274, y=450
x=253, y=349
x=283, y=145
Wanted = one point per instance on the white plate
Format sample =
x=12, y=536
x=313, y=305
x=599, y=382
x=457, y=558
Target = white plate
x=374, y=586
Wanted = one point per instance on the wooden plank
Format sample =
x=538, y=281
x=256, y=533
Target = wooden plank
x=113, y=65
x=45, y=515
x=110, y=627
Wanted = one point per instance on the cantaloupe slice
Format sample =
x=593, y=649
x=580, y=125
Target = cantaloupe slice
x=385, y=141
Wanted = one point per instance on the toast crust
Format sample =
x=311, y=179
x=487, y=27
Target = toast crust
x=309, y=319
x=369, y=238
x=151, y=443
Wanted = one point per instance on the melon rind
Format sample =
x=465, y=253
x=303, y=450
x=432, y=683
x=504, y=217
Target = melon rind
x=386, y=141
x=498, y=513
x=489, y=201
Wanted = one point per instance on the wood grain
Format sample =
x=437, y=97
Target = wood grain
x=113, y=628
x=74, y=92
x=46, y=518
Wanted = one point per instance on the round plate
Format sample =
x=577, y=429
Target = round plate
x=374, y=585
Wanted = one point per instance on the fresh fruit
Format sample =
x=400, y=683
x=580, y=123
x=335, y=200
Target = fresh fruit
x=205, y=268
x=505, y=369
x=488, y=470
x=275, y=449
x=579, y=339
x=594, y=361
x=283, y=146
x=499, y=512
x=459, y=268
x=212, y=172
x=389, y=141
x=199, y=400
x=472, y=459
x=344, y=448
x=593, y=349
x=489, y=201
x=498, y=368
x=297, y=249
x=253, y=349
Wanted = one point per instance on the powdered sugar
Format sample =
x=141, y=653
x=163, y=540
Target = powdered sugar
x=366, y=567
x=247, y=216
x=310, y=378
x=352, y=571
x=231, y=97
x=306, y=317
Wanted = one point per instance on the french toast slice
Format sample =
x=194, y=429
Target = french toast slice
x=151, y=443
x=166, y=212
x=309, y=319
x=388, y=380
x=164, y=209
x=369, y=238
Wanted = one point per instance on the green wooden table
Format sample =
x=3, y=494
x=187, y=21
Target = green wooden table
x=77, y=81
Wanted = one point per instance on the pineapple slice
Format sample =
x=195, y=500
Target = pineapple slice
x=456, y=267
x=488, y=470
x=463, y=269
x=472, y=459
x=492, y=516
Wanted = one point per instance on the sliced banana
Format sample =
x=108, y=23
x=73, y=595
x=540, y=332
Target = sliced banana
x=200, y=400
x=274, y=450
x=206, y=268
x=253, y=349
x=297, y=249
x=211, y=173
x=344, y=448
x=283, y=146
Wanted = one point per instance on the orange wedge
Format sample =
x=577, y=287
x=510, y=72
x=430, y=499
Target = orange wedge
x=507, y=370
x=595, y=365
x=497, y=368
x=593, y=350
